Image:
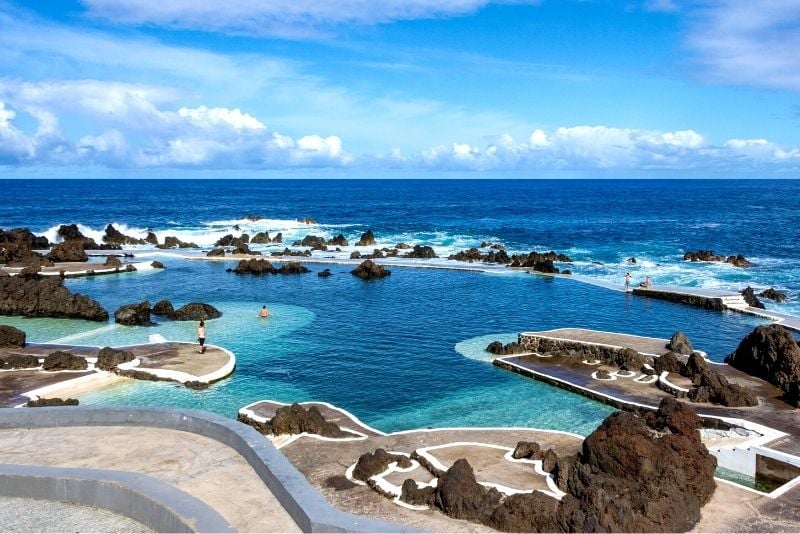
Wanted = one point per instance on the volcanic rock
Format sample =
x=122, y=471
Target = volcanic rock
x=225, y=241
x=241, y=248
x=255, y=266
x=55, y=401
x=157, y=265
x=151, y=238
x=295, y=419
x=134, y=314
x=261, y=238
x=253, y=218
x=312, y=241
x=538, y=261
x=773, y=294
x=708, y=255
x=497, y=347
x=46, y=297
x=424, y=252
x=338, y=241
x=669, y=362
x=216, y=253
x=367, y=239
x=369, y=270
x=412, y=494
x=527, y=449
x=470, y=255
x=278, y=238
x=460, y=496
x=738, y=261
x=174, y=242
x=11, y=337
x=680, y=343
x=307, y=220
x=20, y=361
x=402, y=246
x=71, y=250
x=163, y=308
x=750, y=297
x=196, y=311
x=770, y=352
x=112, y=261
x=63, y=361
x=324, y=274
x=118, y=238
x=108, y=358
x=355, y=255
x=293, y=267
x=373, y=463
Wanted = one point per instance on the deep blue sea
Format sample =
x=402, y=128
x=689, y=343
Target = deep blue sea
x=406, y=351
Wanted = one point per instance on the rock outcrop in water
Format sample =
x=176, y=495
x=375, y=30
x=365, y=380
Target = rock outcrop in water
x=338, y=241
x=369, y=270
x=771, y=353
x=472, y=255
x=633, y=474
x=46, y=297
x=539, y=261
x=423, y=252
x=16, y=246
x=497, y=347
x=134, y=314
x=20, y=361
x=71, y=250
x=708, y=255
x=174, y=242
x=293, y=267
x=261, y=238
x=367, y=239
x=196, y=311
x=774, y=295
x=750, y=297
x=255, y=266
x=11, y=337
x=115, y=237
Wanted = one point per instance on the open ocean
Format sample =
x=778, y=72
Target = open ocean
x=405, y=352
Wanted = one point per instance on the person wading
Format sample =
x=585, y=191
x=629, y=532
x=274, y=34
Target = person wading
x=201, y=336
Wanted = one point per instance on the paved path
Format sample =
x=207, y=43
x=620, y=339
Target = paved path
x=31, y=515
x=204, y=468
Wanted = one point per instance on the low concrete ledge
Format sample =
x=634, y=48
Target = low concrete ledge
x=305, y=505
x=153, y=503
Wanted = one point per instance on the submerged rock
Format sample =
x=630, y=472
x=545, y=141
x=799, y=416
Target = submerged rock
x=11, y=337
x=771, y=353
x=46, y=297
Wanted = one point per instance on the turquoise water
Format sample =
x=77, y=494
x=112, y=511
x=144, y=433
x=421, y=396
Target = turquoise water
x=403, y=352
x=759, y=484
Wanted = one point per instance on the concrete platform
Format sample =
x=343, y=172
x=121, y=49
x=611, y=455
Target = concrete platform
x=79, y=269
x=176, y=361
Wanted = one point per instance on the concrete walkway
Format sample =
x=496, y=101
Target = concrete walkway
x=32, y=515
x=204, y=468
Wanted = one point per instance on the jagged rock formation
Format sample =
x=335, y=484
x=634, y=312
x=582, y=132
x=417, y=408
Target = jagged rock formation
x=116, y=237
x=46, y=297
x=157, y=265
x=133, y=314
x=633, y=474
x=16, y=246
x=261, y=238
x=11, y=337
x=151, y=238
x=750, y=297
x=216, y=253
x=669, y=362
x=708, y=255
x=423, y=252
x=108, y=358
x=163, y=308
x=293, y=267
x=367, y=239
x=324, y=273
x=63, y=361
x=369, y=270
x=312, y=241
x=295, y=419
x=289, y=252
x=712, y=386
x=770, y=352
x=112, y=261
x=174, y=242
x=680, y=344
x=540, y=262
x=774, y=295
x=71, y=250
x=338, y=241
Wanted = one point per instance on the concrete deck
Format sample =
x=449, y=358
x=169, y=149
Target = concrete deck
x=83, y=268
x=204, y=468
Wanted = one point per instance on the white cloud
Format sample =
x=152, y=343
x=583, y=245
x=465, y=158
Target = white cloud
x=749, y=42
x=282, y=18
x=209, y=118
x=15, y=147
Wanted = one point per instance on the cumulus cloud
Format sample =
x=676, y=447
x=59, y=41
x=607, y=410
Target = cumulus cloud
x=282, y=18
x=749, y=43
x=200, y=137
x=584, y=148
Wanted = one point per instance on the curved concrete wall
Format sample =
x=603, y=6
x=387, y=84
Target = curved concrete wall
x=305, y=505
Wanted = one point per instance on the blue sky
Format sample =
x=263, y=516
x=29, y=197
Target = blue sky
x=419, y=88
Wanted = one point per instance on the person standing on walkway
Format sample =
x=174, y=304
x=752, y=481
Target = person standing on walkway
x=627, y=281
x=648, y=282
x=201, y=336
